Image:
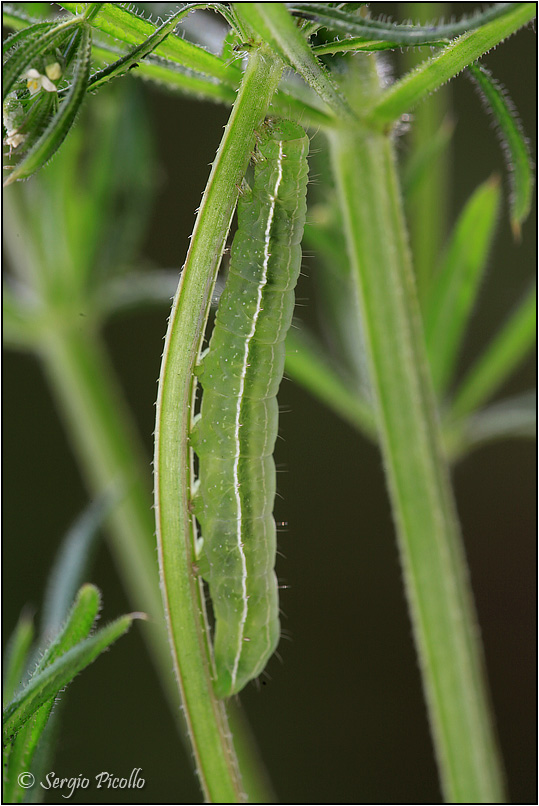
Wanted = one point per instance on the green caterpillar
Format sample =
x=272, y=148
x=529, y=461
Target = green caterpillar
x=236, y=432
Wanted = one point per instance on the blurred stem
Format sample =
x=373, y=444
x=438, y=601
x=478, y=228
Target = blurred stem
x=106, y=445
x=429, y=205
x=432, y=554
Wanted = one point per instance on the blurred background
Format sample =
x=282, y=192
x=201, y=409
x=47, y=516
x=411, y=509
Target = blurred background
x=339, y=717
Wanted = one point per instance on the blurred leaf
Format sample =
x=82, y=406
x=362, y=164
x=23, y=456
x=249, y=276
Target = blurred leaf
x=16, y=655
x=515, y=146
x=71, y=564
x=138, y=289
x=306, y=365
x=47, y=683
x=506, y=350
x=454, y=290
x=418, y=167
x=512, y=418
x=339, y=309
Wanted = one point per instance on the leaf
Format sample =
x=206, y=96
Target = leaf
x=77, y=626
x=507, y=349
x=418, y=167
x=431, y=74
x=132, y=58
x=16, y=655
x=396, y=34
x=123, y=24
x=306, y=365
x=515, y=145
x=22, y=57
x=452, y=297
x=60, y=124
x=273, y=24
x=512, y=418
x=70, y=564
x=48, y=682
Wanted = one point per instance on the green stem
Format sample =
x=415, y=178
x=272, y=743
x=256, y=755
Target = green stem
x=432, y=554
x=181, y=586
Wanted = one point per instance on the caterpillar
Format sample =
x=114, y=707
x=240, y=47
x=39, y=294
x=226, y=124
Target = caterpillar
x=235, y=433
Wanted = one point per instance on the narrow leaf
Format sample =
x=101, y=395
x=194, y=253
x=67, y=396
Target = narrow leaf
x=431, y=74
x=134, y=56
x=26, y=35
x=55, y=677
x=59, y=126
x=70, y=564
x=123, y=24
x=343, y=21
x=22, y=57
x=512, y=418
x=419, y=166
x=306, y=365
x=515, y=145
x=273, y=23
x=508, y=348
x=77, y=627
x=16, y=655
x=452, y=297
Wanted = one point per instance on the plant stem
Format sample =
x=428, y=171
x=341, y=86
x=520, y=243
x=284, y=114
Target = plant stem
x=181, y=585
x=432, y=554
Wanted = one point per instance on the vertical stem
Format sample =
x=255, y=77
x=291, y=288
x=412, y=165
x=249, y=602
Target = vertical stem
x=181, y=588
x=430, y=543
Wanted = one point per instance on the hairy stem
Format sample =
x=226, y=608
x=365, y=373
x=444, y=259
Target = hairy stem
x=181, y=586
x=432, y=554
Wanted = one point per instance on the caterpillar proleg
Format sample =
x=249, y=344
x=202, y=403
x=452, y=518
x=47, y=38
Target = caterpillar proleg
x=236, y=432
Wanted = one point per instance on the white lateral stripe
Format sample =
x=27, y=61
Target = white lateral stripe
x=262, y=283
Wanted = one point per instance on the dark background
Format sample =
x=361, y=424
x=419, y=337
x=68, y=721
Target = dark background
x=341, y=719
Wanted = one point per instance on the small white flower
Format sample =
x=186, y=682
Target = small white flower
x=35, y=82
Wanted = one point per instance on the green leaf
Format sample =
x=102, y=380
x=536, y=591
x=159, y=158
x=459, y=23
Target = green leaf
x=419, y=166
x=307, y=365
x=78, y=625
x=124, y=25
x=343, y=21
x=272, y=23
x=515, y=145
x=22, y=57
x=452, y=297
x=512, y=418
x=132, y=58
x=16, y=655
x=60, y=124
x=431, y=74
x=48, y=682
x=71, y=562
x=507, y=349
x=27, y=35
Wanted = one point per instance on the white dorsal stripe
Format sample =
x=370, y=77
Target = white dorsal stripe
x=244, y=368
